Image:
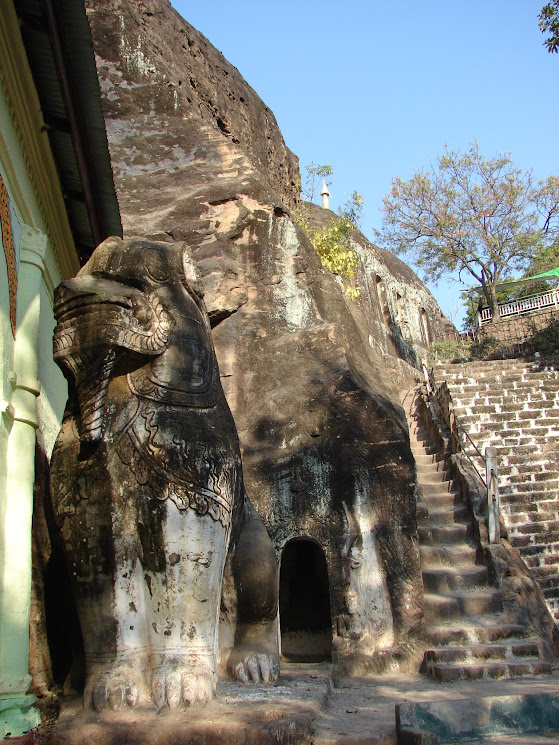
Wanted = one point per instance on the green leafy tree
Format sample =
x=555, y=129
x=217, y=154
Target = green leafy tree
x=482, y=217
x=547, y=258
x=315, y=175
x=352, y=209
x=549, y=24
x=333, y=244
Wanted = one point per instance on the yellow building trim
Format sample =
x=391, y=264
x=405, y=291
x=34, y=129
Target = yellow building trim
x=21, y=95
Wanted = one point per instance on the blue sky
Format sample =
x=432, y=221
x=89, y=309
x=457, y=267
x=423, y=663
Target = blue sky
x=376, y=89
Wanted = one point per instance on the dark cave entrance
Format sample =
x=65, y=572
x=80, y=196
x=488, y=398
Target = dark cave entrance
x=305, y=618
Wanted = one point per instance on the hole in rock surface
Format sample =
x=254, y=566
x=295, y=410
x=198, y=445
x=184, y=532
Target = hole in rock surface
x=305, y=618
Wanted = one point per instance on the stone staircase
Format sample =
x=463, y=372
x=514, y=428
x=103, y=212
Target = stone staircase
x=469, y=640
x=513, y=405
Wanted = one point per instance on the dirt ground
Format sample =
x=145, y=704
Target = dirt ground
x=328, y=711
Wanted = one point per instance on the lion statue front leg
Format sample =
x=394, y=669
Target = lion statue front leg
x=255, y=655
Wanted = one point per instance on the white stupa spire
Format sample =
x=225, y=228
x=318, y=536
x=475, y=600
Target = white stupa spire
x=325, y=194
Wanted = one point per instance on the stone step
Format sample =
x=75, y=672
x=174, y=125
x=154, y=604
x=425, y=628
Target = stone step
x=421, y=444
x=419, y=449
x=527, y=546
x=479, y=601
x=506, y=406
x=439, y=498
x=547, y=558
x=541, y=461
x=450, y=579
x=473, y=602
x=504, y=651
x=459, y=555
x=512, y=362
x=547, y=582
x=470, y=416
x=507, y=419
x=516, y=429
x=518, y=380
x=472, y=391
x=537, y=474
x=524, y=439
x=495, y=376
x=512, y=398
x=540, y=483
x=489, y=671
x=446, y=534
x=547, y=506
x=551, y=592
x=419, y=430
x=515, y=520
x=523, y=468
x=524, y=454
x=439, y=608
x=434, y=460
x=443, y=517
x=543, y=528
x=501, y=390
x=526, y=498
x=443, y=493
x=547, y=570
x=537, y=391
x=465, y=633
x=429, y=475
x=522, y=451
x=519, y=405
x=477, y=368
x=526, y=373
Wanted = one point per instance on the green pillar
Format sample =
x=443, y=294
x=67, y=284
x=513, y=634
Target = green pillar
x=17, y=714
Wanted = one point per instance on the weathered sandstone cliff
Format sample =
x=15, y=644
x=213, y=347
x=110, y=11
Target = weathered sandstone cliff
x=312, y=378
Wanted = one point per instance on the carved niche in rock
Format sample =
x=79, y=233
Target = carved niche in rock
x=147, y=486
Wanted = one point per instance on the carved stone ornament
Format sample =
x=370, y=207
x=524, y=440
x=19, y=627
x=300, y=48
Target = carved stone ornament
x=147, y=486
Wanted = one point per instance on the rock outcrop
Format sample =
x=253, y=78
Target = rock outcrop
x=311, y=378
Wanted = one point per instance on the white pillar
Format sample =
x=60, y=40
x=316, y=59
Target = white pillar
x=493, y=502
x=16, y=716
x=325, y=194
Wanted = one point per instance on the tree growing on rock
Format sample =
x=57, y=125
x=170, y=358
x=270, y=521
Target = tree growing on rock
x=315, y=174
x=332, y=242
x=470, y=214
x=352, y=209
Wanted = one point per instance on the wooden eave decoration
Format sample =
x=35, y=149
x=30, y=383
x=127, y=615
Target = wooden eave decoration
x=19, y=88
x=58, y=43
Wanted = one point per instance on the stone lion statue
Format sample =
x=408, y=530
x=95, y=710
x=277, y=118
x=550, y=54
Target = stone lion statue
x=147, y=486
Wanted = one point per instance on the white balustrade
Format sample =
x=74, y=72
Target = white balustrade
x=523, y=305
